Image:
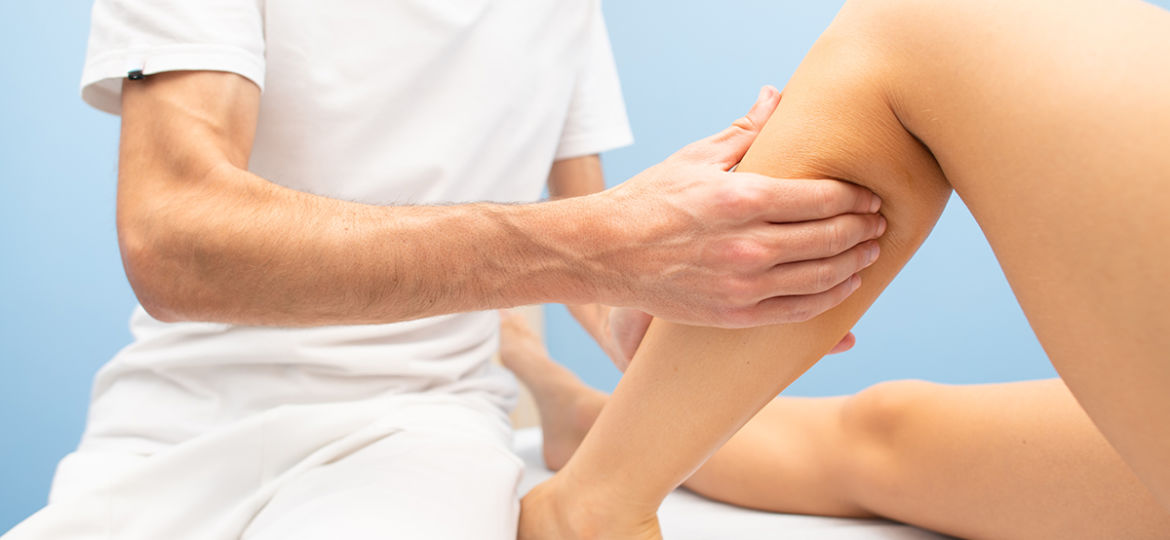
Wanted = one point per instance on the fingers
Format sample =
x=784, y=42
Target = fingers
x=628, y=327
x=845, y=344
x=799, y=291
x=814, y=240
x=791, y=309
x=812, y=277
x=728, y=147
x=779, y=200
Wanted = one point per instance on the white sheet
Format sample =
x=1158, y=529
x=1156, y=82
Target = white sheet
x=686, y=516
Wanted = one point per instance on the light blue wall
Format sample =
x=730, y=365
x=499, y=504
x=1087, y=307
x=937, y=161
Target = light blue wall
x=688, y=69
x=64, y=302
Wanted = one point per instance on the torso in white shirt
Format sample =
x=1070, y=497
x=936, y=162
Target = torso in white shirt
x=379, y=102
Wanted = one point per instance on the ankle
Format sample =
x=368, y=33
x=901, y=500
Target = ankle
x=553, y=510
x=593, y=505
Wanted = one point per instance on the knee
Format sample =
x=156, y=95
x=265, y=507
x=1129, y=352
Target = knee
x=873, y=426
x=838, y=120
x=874, y=415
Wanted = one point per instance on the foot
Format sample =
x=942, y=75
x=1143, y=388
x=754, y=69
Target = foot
x=550, y=512
x=567, y=406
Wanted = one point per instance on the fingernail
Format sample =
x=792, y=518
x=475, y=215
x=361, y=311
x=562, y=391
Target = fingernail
x=855, y=282
x=881, y=225
x=874, y=251
x=763, y=94
x=875, y=205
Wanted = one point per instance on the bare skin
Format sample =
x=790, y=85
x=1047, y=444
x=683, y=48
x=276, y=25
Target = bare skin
x=1048, y=118
x=204, y=239
x=617, y=330
x=1016, y=460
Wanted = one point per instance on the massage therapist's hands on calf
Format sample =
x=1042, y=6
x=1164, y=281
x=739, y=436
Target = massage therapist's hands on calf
x=685, y=240
x=701, y=245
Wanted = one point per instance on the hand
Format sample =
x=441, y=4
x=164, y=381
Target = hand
x=690, y=242
x=626, y=328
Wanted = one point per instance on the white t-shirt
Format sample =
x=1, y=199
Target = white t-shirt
x=388, y=102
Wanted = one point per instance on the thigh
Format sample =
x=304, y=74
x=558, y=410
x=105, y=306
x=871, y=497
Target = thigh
x=1057, y=136
x=1051, y=120
x=1015, y=460
x=411, y=485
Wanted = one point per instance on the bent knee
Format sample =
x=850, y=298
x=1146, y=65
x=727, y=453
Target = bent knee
x=837, y=121
x=873, y=425
x=874, y=415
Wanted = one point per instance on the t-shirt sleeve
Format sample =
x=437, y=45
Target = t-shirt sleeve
x=153, y=36
x=597, y=119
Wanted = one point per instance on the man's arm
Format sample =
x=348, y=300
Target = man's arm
x=618, y=331
x=204, y=239
x=577, y=177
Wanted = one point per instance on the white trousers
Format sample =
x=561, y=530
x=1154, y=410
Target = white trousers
x=408, y=467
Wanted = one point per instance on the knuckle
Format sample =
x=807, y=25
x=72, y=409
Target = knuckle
x=737, y=198
x=745, y=124
x=792, y=312
x=800, y=312
x=738, y=291
x=825, y=276
x=823, y=197
x=862, y=255
x=744, y=252
x=836, y=237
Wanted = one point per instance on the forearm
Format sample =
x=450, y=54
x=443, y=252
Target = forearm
x=232, y=247
x=577, y=177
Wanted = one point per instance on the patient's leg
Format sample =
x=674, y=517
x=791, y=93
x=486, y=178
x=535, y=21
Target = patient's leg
x=1015, y=460
x=1049, y=117
x=689, y=389
x=1052, y=121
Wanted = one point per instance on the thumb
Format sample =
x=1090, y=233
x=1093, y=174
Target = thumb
x=728, y=147
x=628, y=327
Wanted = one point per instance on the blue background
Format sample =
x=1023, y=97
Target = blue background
x=687, y=71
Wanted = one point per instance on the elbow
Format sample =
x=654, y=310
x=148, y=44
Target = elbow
x=160, y=306
x=162, y=312
x=151, y=271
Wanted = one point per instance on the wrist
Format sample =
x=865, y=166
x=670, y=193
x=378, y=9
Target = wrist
x=601, y=240
x=555, y=246
x=581, y=231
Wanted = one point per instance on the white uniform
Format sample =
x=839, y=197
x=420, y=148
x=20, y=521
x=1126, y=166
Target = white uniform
x=398, y=430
